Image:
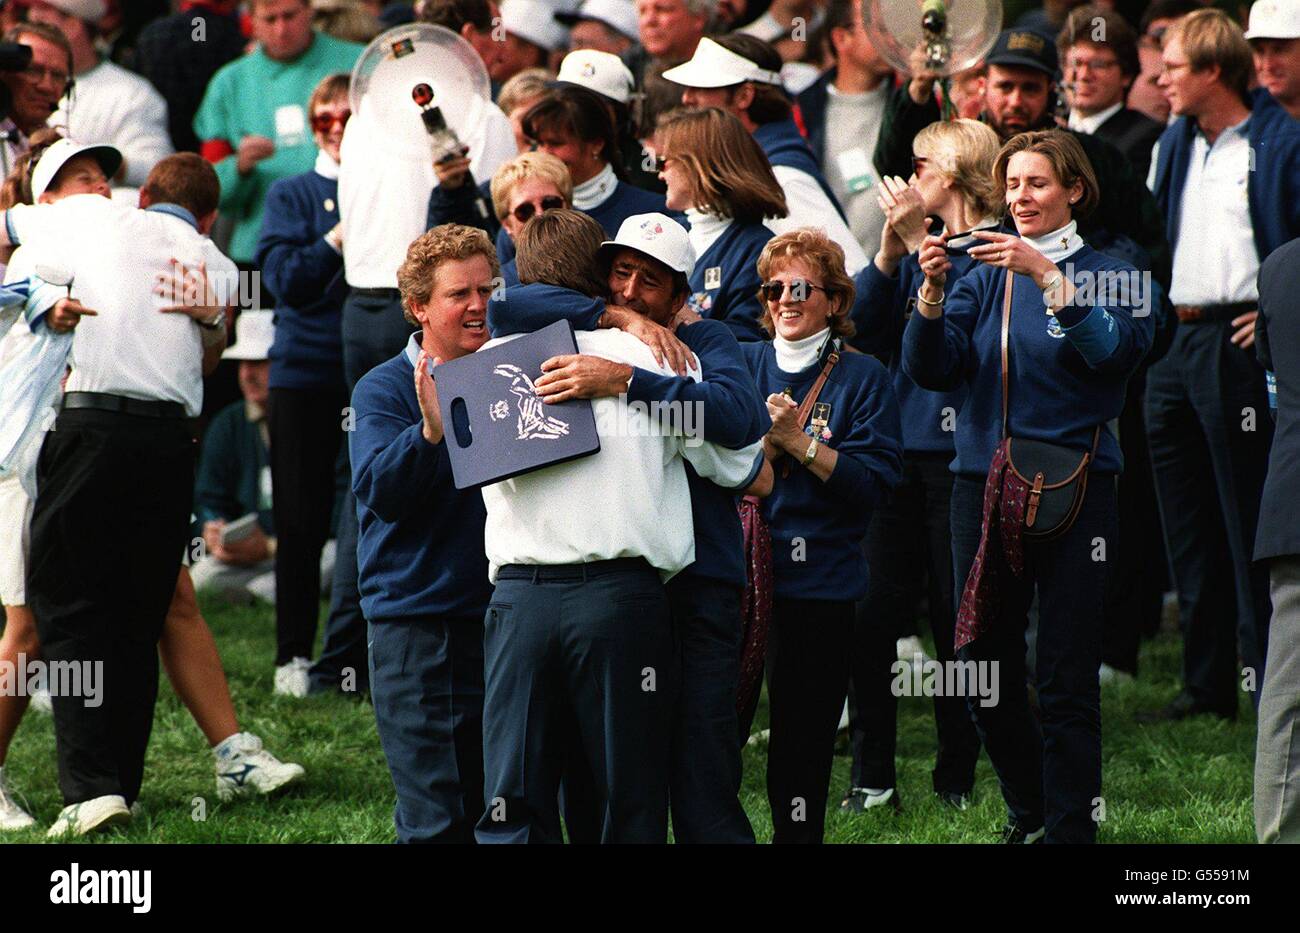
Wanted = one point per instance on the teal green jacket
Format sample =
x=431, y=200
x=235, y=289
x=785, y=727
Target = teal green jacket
x=256, y=96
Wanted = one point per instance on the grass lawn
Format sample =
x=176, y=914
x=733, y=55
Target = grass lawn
x=1189, y=782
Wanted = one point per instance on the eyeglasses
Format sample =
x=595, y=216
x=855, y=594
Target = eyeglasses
x=324, y=122
x=799, y=290
x=523, y=212
x=1091, y=64
x=38, y=73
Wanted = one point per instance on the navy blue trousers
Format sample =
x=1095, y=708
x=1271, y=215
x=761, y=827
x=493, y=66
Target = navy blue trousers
x=374, y=331
x=1210, y=433
x=1050, y=775
x=426, y=682
x=706, y=765
x=593, y=642
x=908, y=543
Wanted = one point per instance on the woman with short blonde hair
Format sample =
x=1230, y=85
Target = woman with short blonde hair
x=529, y=184
x=836, y=451
x=718, y=175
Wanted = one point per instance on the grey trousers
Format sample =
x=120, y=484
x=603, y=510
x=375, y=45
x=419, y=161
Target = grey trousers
x=1277, y=751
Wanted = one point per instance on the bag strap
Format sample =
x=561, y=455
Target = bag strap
x=806, y=406
x=1006, y=339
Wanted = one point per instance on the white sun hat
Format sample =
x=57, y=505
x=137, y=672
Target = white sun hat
x=657, y=236
x=715, y=66
x=1274, y=19
x=534, y=21
x=598, y=71
x=254, y=334
x=58, y=154
x=618, y=15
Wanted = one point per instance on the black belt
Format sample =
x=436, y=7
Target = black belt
x=571, y=573
x=388, y=293
x=120, y=404
x=1188, y=314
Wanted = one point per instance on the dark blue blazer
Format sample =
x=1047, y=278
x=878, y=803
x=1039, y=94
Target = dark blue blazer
x=1277, y=344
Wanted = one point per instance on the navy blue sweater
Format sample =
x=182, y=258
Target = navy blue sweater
x=783, y=145
x=881, y=309
x=1066, y=374
x=817, y=527
x=733, y=298
x=305, y=275
x=1273, y=187
x=420, y=549
x=730, y=410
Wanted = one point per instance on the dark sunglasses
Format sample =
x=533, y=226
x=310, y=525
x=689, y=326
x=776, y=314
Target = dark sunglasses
x=799, y=290
x=324, y=122
x=525, y=211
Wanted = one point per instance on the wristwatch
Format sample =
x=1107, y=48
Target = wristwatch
x=811, y=455
x=217, y=322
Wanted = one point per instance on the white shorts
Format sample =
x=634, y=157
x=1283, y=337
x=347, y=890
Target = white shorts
x=15, y=540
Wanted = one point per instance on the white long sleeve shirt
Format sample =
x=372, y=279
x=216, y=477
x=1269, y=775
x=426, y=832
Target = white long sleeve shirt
x=628, y=500
x=809, y=207
x=111, y=105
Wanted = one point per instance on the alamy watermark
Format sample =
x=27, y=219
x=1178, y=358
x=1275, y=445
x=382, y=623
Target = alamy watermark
x=82, y=679
x=926, y=677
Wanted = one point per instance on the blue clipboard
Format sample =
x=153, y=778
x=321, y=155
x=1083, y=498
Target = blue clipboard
x=495, y=424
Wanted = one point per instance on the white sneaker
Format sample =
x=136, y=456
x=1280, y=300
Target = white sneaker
x=12, y=816
x=89, y=815
x=291, y=679
x=908, y=648
x=41, y=701
x=244, y=767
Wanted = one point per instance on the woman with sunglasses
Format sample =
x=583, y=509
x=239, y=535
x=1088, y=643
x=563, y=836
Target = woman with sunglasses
x=909, y=540
x=836, y=450
x=718, y=175
x=300, y=253
x=1056, y=378
x=525, y=186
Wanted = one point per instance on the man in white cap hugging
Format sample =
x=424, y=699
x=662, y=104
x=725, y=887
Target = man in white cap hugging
x=741, y=74
x=602, y=25
x=232, y=494
x=532, y=37
x=1274, y=37
x=107, y=103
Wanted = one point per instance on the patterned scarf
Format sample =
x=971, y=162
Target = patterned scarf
x=1005, y=496
x=755, y=606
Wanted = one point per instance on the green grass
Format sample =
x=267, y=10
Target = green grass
x=1187, y=782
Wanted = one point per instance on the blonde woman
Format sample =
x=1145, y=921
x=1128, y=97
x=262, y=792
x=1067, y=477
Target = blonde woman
x=718, y=175
x=836, y=450
x=908, y=543
x=524, y=187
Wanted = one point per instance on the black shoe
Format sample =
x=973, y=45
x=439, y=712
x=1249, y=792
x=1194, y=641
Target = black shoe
x=954, y=799
x=1016, y=835
x=1181, y=707
x=859, y=800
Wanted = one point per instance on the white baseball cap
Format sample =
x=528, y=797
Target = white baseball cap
x=534, y=21
x=618, y=15
x=57, y=156
x=1274, y=19
x=657, y=236
x=88, y=10
x=715, y=66
x=598, y=71
x=254, y=334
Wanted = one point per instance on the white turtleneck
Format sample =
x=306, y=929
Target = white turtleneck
x=965, y=242
x=794, y=356
x=705, y=228
x=325, y=166
x=596, y=190
x=1058, y=244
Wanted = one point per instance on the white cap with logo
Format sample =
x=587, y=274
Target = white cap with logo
x=254, y=334
x=657, y=236
x=534, y=21
x=88, y=10
x=618, y=15
x=57, y=156
x=1274, y=19
x=712, y=65
x=598, y=71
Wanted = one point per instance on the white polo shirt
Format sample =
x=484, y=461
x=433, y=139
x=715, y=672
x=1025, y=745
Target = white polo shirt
x=112, y=252
x=386, y=175
x=628, y=500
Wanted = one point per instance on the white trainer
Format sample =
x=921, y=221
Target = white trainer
x=41, y=701
x=292, y=679
x=12, y=816
x=100, y=813
x=908, y=648
x=245, y=768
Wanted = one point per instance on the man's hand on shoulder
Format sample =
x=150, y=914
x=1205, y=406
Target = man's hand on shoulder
x=579, y=375
x=663, y=343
